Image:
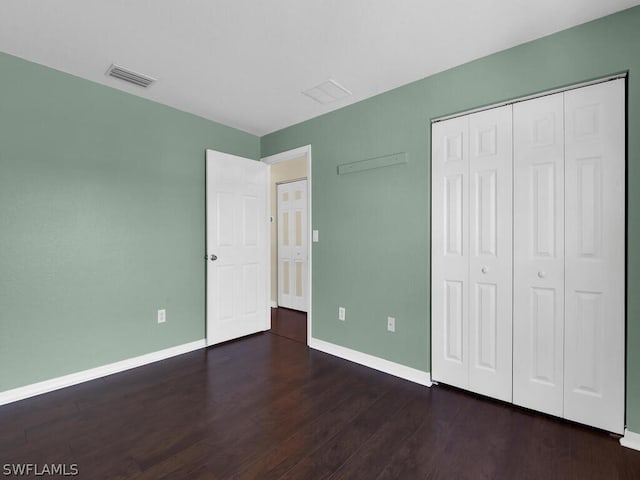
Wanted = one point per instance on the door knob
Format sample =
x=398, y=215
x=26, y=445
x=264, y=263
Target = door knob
x=484, y=269
x=213, y=257
x=542, y=274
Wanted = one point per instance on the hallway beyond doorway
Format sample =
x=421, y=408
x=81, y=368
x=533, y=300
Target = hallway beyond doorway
x=290, y=324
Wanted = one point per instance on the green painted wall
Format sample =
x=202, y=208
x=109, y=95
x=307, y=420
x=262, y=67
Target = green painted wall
x=101, y=222
x=373, y=254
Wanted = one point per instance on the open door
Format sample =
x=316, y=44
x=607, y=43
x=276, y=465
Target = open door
x=237, y=254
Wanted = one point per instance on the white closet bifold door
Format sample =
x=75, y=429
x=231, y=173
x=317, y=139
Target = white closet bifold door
x=538, y=254
x=471, y=252
x=595, y=255
x=450, y=251
x=490, y=252
x=528, y=253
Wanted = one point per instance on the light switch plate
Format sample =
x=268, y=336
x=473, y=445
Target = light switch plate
x=391, y=324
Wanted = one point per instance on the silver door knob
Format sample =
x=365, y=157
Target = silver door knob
x=213, y=257
x=484, y=269
x=542, y=274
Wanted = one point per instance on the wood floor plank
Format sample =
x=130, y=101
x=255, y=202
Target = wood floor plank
x=374, y=455
x=328, y=457
x=419, y=453
x=274, y=462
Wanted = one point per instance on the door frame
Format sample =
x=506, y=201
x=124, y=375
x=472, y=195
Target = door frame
x=283, y=157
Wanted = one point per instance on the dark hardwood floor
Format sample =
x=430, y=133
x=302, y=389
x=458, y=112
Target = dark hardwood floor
x=291, y=324
x=266, y=407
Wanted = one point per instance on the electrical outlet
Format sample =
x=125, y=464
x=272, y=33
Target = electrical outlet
x=342, y=313
x=391, y=324
x=162, y=315
x=315, y=235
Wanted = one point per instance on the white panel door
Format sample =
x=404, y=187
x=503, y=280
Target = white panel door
x=292, y=245
x=490, y=252
x=538, y=244
x=450, y=251
x=237, y=258
x=595, y=255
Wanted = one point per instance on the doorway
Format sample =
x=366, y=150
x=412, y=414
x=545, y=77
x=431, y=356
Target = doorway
x=291, y=264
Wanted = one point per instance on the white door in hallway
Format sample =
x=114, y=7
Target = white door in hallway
x=292, y=245
x=237, y=255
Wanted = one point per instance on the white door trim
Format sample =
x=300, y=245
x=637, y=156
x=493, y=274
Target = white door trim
x=288, y=155
x=283, y=157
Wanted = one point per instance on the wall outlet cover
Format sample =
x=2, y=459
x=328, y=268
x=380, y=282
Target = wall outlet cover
x=391, y=324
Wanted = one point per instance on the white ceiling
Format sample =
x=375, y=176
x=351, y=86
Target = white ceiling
x=244, y=63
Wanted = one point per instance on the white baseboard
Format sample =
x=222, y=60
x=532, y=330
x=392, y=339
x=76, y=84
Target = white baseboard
x=377, y=363
x=630, y=440
x=20, y=393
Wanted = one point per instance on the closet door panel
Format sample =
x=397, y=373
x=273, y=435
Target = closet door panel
x=490, y=252
x=538, y=253
x=595, y=255
x=450, y=252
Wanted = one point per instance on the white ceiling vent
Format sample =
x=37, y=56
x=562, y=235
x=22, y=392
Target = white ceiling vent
x=123, y=73
x=327, y=92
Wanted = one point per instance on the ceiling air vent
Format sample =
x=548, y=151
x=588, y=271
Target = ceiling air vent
x=130, y=76
x=327, y=92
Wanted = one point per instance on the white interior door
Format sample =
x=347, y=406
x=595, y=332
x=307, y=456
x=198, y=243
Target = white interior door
x=237, y=257
x=538, y=270
x=450, y=251
x=595, y=255
x=292, y=245
x=490, y=252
